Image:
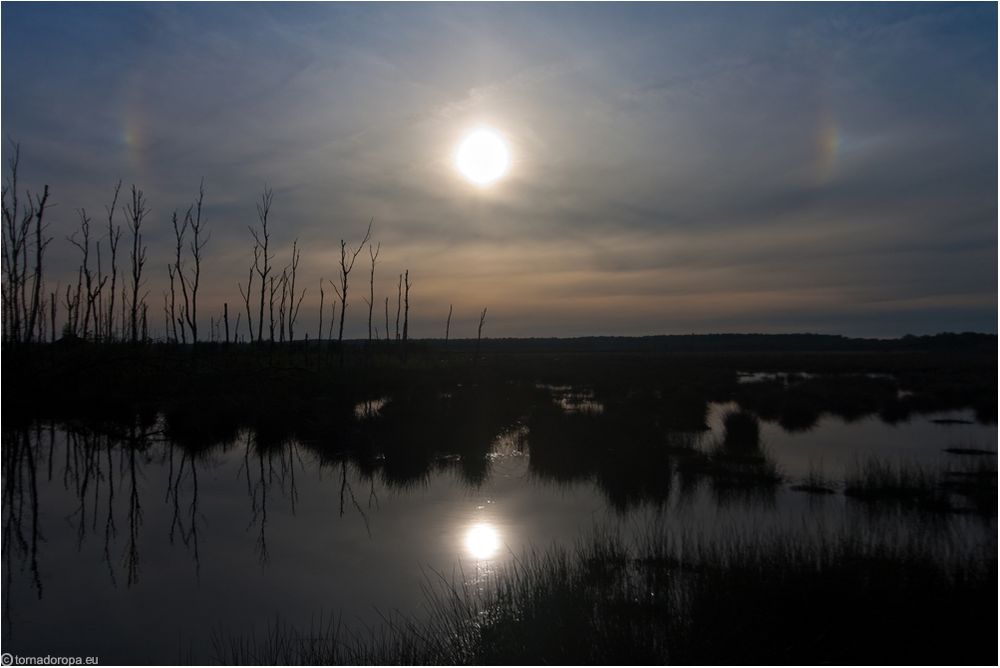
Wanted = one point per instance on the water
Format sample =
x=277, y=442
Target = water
x=132, y=548
x=834, y=445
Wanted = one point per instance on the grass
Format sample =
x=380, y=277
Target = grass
x=689, y=599
x=976, y=487
x=815, y=483
x=877, y=482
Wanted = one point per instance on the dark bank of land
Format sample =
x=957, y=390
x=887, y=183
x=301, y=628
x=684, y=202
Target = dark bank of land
x=72, y=378
x=733, y=343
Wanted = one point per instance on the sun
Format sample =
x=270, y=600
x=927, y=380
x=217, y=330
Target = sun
x=482, y=157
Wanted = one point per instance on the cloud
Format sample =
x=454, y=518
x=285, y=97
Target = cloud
x=675, y=168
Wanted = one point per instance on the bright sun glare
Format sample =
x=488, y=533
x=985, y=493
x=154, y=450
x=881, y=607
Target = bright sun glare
x=482, y=541
x=482, y=157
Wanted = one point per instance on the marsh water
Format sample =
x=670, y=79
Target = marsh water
x=130, y=544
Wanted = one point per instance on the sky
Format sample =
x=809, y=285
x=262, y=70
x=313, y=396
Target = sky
x=675, y=168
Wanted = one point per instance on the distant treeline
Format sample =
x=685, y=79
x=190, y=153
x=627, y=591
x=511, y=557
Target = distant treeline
x=966, y=341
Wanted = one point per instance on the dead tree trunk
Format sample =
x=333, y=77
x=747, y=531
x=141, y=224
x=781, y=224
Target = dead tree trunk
x=69, y=327
x=447, y=325
x=114, y=235
x=166, y=316
x=270, y=309
x=246, y=300
x=479, y=335
x=99, y=303
x=53, y=305
x=294, y=305
x=399, y=303
x=136, y=212
x=176, y=274
x=346, y=265
x=386, y=319
x=22, y=314
x=194, y=221
x=371, y=287
x=261, y=259
x=333, y=314
x=406, y=310
x=90, y=292
x=40, y=245
x=322, y=298
x=282, y=308
x=15, y=232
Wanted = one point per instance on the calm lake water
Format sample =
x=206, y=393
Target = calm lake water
x=133, y=549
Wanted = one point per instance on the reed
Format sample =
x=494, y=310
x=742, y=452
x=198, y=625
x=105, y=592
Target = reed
x=684, y=597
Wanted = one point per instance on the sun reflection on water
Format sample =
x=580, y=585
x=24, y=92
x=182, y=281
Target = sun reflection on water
x=482, y=540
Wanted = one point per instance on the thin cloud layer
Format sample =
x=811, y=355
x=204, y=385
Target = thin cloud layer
x=675, y=168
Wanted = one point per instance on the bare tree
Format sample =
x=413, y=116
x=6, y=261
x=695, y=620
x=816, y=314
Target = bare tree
x=78, y=302
x=399, y=303
x=273, y=289
x=16, y=225
x=283, y=307
x=246, y=299
x=346, y=265
x=194, y=221
x=322, y=297
x=261, y=259
x=72, y=309
x=176, y=273
x=447, y=325
x=406, y=307
x=333, y=315
x=123, y=316
x=99, y=302
x=166, y=315
x=21, y=311
x=295, y=305
x=40, y=245
x=136, y=212
x=114, y=235
x=387, y=319
x=479, y=335
x=53, y=304
x=84, y=282
x=371, y=286
x=91, y=288
x=43, y=330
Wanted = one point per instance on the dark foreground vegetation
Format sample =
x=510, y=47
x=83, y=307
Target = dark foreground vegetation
x=684, y=599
